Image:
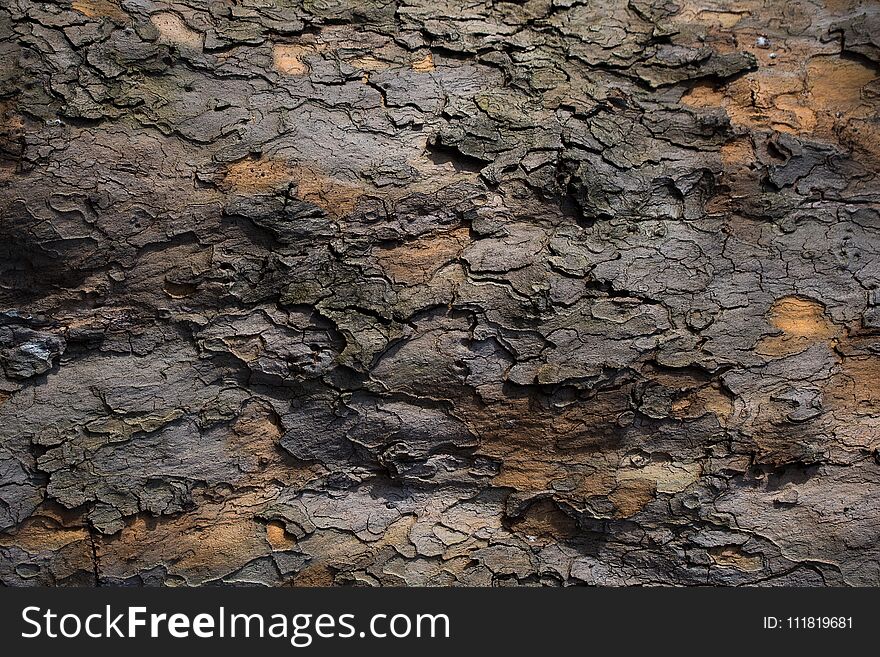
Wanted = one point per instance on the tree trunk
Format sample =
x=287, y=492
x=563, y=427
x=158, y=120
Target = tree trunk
x=440, y=292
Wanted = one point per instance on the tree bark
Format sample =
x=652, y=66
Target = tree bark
x=438, y=292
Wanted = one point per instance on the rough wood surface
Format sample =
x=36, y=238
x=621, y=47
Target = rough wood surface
x=439, y=292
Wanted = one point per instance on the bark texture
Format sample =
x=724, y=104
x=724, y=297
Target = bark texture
x=407, y=292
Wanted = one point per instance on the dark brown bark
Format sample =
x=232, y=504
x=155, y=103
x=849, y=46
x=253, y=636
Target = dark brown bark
x=435, y=292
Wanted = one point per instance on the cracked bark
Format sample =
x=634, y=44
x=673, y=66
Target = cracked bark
x=409, y=292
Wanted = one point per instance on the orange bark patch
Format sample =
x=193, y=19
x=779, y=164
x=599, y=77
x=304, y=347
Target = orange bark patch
x=732, y=556
x=790, y=97
x=635, y=487
x=801, y=85
x=100, y=9
x=42, y=534
x=835, y=84
x=769, y=98
x=630, y=497
x=425, y=64
x=289, y=58
x=173, y=30
x=257, y=175
x=416, y=262
x=529, y=473
x=335, y=197
x=369, y=63
x=736, y=153
x=257, y=426
x=203, y=544
x=268, y=174
x=855, y=387
x=218, y=536
x=704, y=94
x=803, y=322
x=277, y=537
x=801, y=317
